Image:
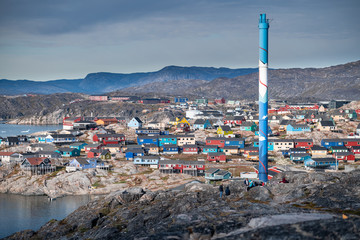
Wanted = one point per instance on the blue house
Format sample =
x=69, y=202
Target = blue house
x=299, y=157
x=181, y=99
x=135, y=123
x=79, y=145
x=238, y=142
x=133, y=152
x=270, y=145
x=332, y=143
x=68, y=152
x=210, y=149
x=170, y=149
x=202, y=124
x=82, y=163
x=147, y=131
x=297, y=128
x=144, y=139
x=147, y=160
x=321, y=163
x=167, y=139
x=217, y=174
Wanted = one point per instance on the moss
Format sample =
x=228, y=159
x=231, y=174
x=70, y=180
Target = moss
x=98, y=184
x=82, y=229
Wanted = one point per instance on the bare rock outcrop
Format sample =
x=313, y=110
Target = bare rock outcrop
x=296, y=210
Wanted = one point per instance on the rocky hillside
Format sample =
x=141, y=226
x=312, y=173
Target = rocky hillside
x=336, y=82
x=311, y=206
x=105, y=82
x=51, y=109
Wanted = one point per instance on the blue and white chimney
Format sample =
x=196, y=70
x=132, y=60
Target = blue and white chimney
x=263, y=98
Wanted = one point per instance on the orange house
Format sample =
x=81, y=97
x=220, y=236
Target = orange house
x=105, y=122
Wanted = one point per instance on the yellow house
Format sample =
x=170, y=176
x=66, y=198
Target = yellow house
x=176, y=121
x=224, y=130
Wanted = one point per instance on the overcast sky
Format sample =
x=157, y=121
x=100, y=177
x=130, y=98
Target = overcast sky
x=44, y=40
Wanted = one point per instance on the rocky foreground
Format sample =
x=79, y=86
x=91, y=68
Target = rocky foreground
x=311, y=206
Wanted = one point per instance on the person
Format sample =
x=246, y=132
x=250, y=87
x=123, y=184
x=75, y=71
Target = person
x=251, y=184
x=227, y=191
x=284, y=180
x=246, y=182
x=221, y=190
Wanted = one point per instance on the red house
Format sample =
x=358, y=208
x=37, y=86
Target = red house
x=303, y=143
x=193, y=168
x=350, y=142
x=190, y=149
x=344, y=156
x=218, y=141
x=183, y=127
x=68, y=122
x=355, y=150
x=89, y=147
x=233, y=120
x=216, y=157
x=109, y=138
x=220, y=101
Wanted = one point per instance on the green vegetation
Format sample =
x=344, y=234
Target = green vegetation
x=98, y=184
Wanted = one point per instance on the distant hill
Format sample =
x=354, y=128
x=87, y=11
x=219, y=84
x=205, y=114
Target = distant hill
x=336, y=82
x=102, y=82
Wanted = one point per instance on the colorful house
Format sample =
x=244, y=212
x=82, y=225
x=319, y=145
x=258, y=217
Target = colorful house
x=238, y=142
x=218, y=141
x=92, y=146
x=350, y=142
x=183, y=127
x=147, y=131
x=190, y=149
x=180, y=99
x=248, y=126
x=230, y=150
x=170, y=149
x=216, y=157
x=135, y=123
x=106, y=121
x=151, y=161
x=297, y=128
x=202, y=124
x=283, y=144
x=167, y=139
x=152, y=149
x=303, y=143
x=79, y=145
x=344, y=156
x=355, y=150
x=317, y=151
x=224, y=131
x=234, y=120
x=337, y=149
x=216, y=174
x=109, y=138
x=299, y=157
x=133, y=152
x=209, y=148
x=68, y=152
x=194, y=168
x=145, y=139
x=99, y=153
x=320, y=163
x=82, y=163
x=36, y=162
x=326, y=126
x=186, y=140
x=332, y=142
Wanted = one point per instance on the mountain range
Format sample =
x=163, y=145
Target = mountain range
x=335, y=82
x=103, y=82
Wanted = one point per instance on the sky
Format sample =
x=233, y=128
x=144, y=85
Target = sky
x=45, y=39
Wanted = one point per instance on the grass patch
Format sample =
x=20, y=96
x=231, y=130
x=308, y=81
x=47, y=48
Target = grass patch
x=98, y=184
x=121, y=181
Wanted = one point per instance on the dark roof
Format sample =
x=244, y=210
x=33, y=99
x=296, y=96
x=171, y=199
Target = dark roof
x=110, y=135
x=216, y=138
x=303, y=140
x=82, y=161
x=225, y=128
x=324, y=159
x=300, y=154
x=216, y=154
x=344, y=153
x=200, y=121
x=210, y=146
x=318, y=148
x=298, y=150
x=138, y=119
x=338, y=147
x=327, y=123
x=170, y=146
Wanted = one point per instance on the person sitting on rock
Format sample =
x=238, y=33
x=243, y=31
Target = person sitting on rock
x=227, y=191
x=221, y=190
x=251, y=184
x=246, y=182
x=284, y=180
